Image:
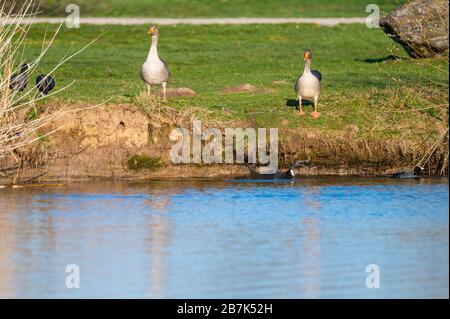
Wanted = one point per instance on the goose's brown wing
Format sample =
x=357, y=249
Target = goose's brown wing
x=167, y=72
x=297, y=85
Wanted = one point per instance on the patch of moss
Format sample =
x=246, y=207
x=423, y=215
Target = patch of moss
x=32, y=114
x=139, y=162
x=433, y=112
x=43, y=138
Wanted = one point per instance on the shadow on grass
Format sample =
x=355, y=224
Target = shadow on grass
x=294, y=103
x=387, y=58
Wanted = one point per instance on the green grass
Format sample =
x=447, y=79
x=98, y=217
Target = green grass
x=360, y=86
x=220, y=8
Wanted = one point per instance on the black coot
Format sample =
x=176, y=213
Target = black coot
x=45, y=83
x=19, y=81
x=289, y=174
x=415, y=174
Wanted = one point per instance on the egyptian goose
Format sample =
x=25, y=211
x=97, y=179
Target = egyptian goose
x=308, y=85
x=154, y=70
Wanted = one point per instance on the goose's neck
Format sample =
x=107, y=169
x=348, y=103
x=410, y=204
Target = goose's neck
x=153, y=53
x=307, y=66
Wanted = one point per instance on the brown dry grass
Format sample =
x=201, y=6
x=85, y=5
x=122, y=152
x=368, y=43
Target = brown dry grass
x=160, y=113
x=21, y=120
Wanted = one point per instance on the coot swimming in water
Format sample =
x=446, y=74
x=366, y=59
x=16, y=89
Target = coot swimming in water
x=403, y=175
x=289, y=174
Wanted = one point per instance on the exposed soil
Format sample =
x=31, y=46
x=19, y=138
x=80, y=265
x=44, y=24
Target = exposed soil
x=177, y=92
x=98, y=142
x=245, y=88
x=280, y=82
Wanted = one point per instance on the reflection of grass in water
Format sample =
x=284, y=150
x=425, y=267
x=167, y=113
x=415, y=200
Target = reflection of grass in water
x=220, y=8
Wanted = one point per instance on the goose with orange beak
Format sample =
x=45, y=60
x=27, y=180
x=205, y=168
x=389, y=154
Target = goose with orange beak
x=154, y=71
x=308, y=85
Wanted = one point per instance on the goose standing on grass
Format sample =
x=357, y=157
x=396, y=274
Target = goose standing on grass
x=308, y=85
x=19, y=81
x=154, y=70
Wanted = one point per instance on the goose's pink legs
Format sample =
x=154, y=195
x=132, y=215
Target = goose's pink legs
x=300, y=111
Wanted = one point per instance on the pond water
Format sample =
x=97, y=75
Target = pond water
x=310, y=238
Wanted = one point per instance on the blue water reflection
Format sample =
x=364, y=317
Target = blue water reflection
x=310, y=238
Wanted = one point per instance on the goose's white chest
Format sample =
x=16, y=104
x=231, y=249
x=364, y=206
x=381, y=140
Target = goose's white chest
x=308, y=86
x=154, y=71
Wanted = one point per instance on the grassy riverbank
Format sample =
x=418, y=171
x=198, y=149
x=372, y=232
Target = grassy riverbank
x=381, y=111
x=363, y=85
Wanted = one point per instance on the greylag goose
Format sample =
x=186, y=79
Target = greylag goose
x=308, y=85
x=45, y=83
x=154, y=70
x=19, y=81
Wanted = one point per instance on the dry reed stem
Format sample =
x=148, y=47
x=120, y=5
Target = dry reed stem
x=18, y=132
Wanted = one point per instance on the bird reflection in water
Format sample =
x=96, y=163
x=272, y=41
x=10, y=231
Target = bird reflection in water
x=158, y=239
x=311, y=249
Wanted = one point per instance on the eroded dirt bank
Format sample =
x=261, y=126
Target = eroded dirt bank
x=122, y=142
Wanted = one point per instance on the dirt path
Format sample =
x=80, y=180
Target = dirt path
x=200, y=21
